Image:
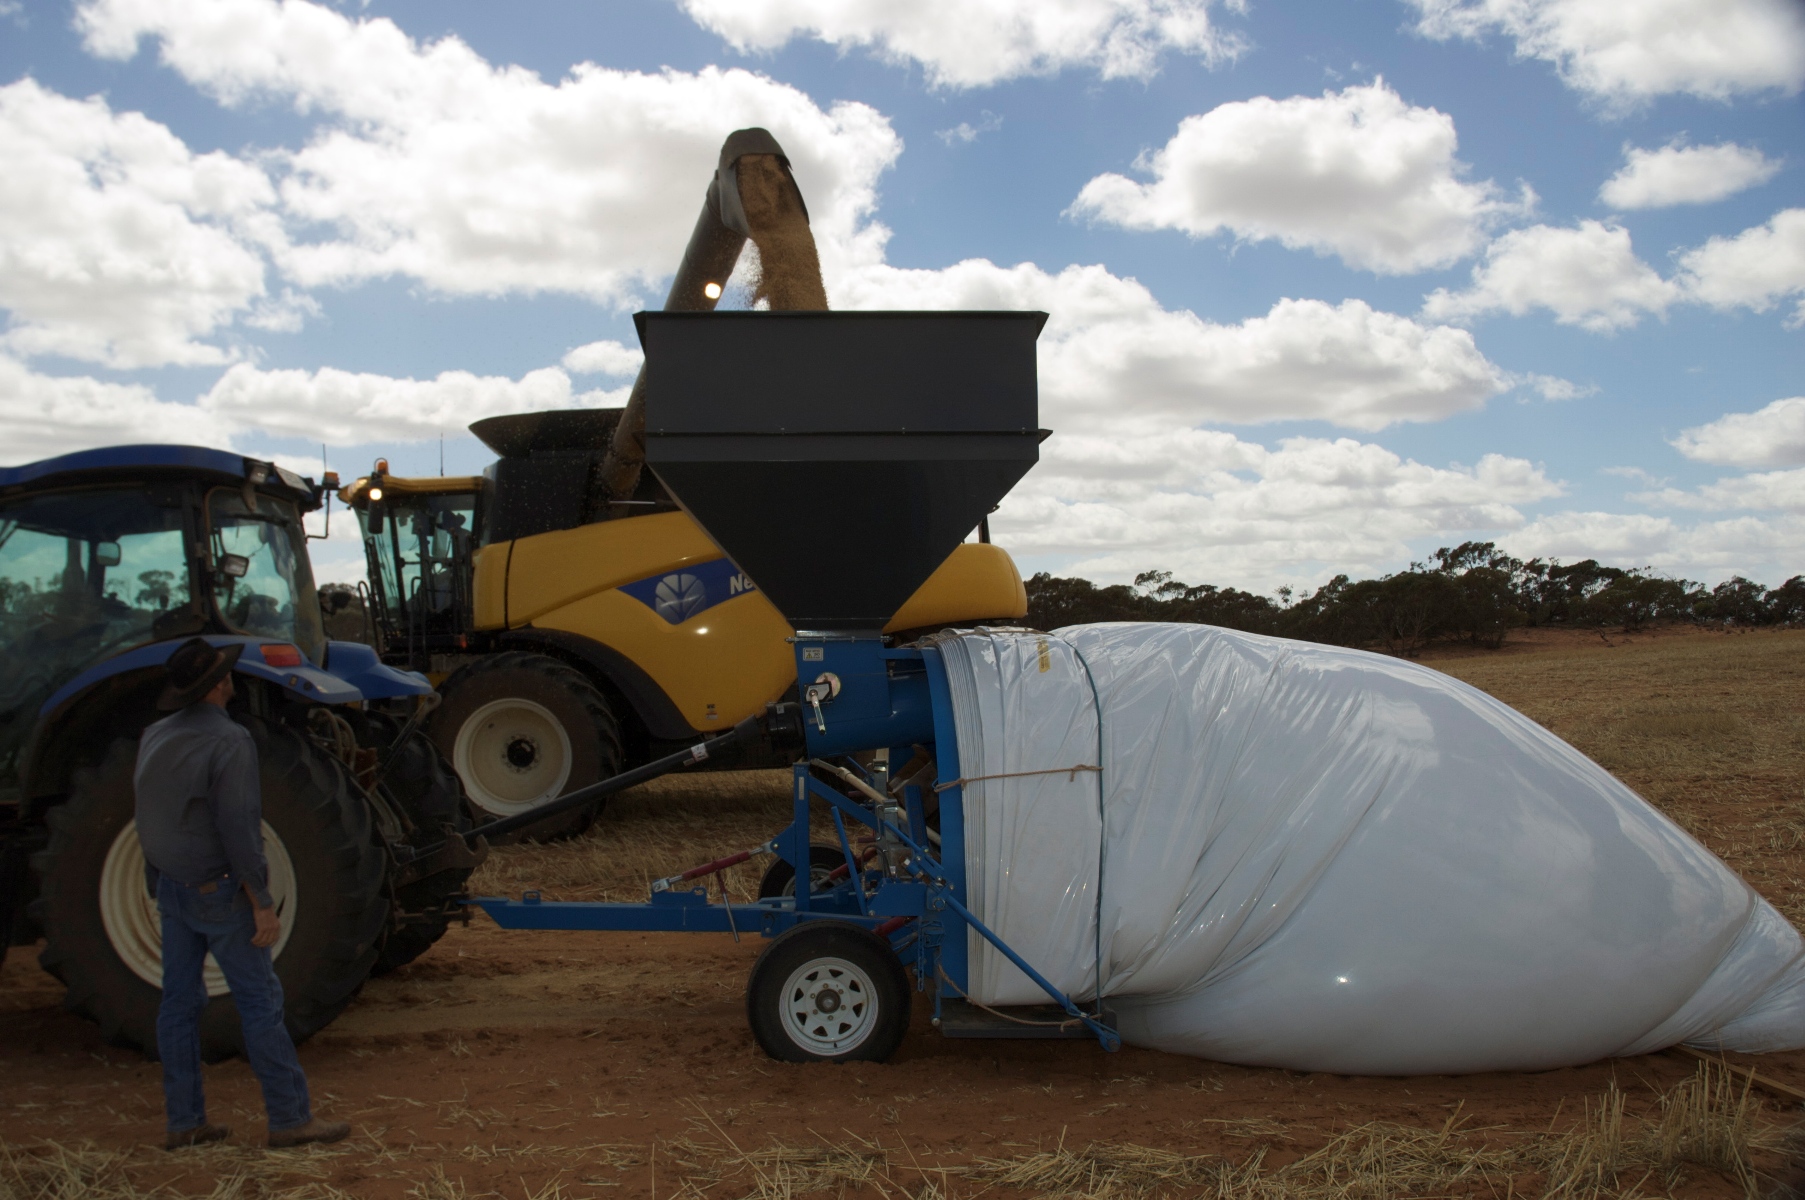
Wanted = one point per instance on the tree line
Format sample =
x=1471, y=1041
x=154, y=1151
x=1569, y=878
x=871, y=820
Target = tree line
x=1467, y=593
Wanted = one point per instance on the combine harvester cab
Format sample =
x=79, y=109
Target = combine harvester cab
x=109, y=560
x=572, y=639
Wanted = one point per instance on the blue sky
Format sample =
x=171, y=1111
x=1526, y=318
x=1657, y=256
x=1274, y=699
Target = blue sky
x=1331, y=284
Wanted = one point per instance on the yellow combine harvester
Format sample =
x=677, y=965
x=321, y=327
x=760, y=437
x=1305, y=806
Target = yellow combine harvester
x=567, y=649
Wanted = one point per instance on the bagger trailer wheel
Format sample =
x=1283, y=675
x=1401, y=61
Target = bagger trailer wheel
x=103, y=937
x=827, y=991
x=521, y=730
x=427, y=788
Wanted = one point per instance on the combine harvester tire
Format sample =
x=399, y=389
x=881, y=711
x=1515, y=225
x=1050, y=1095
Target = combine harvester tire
x=523, y=729
x=103, y=935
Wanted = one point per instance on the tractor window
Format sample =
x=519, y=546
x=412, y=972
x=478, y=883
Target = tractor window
x=274, y=596
x=83, y=576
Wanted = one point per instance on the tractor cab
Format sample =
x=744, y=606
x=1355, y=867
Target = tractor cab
x=107, y=550
x=419, y=537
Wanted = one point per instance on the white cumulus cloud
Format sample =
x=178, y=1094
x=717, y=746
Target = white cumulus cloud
x=1112, y=352
x=1767, y=548
x=973, y=43
x=1357, y=173
x=1773, y=436
x=965, y=133
x=1765, y=490
x=1628, y=52
x=1754, y=269
x=606, y=357
x=1226, y=510
x=118, y=244
x=1681, y=174
x=47, y=415
x=431, y=163
x=1587, y=276
x=348, y=408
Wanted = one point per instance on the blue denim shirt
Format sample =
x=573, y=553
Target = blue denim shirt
x=199, y=803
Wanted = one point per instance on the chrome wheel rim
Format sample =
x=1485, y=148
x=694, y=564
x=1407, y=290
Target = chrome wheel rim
x=513, y=755
x=829, y=1006
x=135, y=928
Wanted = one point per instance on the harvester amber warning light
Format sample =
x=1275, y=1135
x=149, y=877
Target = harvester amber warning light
x=712, y=290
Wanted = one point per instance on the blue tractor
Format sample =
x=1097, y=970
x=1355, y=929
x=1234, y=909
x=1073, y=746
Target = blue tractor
x=109, y=560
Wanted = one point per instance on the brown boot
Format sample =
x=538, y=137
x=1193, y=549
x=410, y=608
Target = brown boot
x=315, y=1130
x=198, y=1136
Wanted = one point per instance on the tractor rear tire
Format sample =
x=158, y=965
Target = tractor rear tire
x=427, y=789
x=102, y=934
x=827, y=991
x=521, y=730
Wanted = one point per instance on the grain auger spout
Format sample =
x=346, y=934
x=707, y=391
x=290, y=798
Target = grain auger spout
x=752, y=197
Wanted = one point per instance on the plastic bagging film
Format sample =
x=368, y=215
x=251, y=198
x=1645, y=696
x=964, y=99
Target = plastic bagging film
x=1324, y=859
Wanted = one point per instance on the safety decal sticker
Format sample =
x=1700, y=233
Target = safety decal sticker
x=679, y=595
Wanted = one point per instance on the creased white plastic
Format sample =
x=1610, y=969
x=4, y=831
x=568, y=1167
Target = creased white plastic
x=1032, y=842
x=1324, y=859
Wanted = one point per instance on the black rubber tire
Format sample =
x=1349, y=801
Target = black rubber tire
x=422, y=782
x=312, y=803
x=780, y=877
x=812, y=941
x=576, y=703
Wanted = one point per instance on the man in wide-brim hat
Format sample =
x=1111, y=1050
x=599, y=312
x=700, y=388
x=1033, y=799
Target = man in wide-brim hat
x=200, y=821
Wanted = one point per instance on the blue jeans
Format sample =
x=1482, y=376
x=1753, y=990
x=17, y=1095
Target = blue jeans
x=222, y=922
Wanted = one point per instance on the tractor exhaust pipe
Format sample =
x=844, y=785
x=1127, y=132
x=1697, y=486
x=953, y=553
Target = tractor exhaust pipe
x=722, y=230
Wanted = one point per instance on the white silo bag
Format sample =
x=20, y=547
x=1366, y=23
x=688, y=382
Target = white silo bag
x=1324, y=859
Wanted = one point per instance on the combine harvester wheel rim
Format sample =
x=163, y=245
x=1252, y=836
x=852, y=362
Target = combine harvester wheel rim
x=513, y=755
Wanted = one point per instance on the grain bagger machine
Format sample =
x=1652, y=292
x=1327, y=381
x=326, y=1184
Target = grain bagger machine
x=838, y=510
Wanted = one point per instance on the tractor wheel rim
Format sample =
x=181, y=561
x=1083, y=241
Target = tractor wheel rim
x=512, y=755
x=134, y=927
x=829, y=1006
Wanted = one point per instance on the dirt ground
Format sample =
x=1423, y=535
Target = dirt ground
x=540, y=1065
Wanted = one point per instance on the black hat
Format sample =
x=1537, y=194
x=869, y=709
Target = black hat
x=193, y=670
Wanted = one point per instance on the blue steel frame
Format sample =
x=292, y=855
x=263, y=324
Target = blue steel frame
x=925, y=916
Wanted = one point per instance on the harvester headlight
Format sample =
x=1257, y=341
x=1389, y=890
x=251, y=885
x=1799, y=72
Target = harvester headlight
x=712, y=290
x=375, y=494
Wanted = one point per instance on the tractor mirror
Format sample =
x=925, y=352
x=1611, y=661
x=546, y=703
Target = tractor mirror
x=106, y=554
x=234, y=566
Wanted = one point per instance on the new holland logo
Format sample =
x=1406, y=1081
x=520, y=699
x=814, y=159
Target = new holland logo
x=678, y=596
